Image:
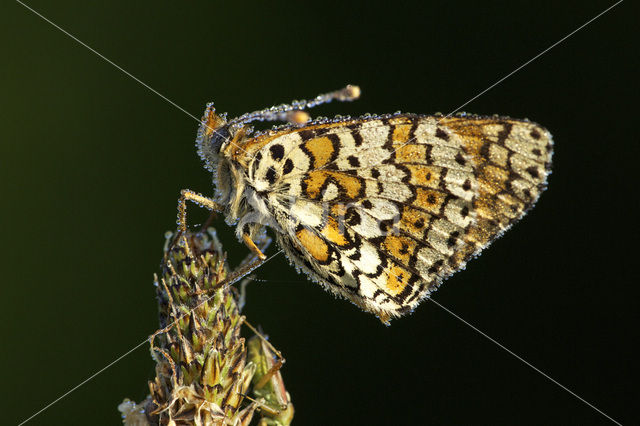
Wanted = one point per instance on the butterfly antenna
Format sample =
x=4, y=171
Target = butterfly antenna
x=283, y=112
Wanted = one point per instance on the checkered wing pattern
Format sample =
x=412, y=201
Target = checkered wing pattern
x=380, y=210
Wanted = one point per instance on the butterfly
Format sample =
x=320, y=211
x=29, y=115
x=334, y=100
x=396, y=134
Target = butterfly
x=377, y=209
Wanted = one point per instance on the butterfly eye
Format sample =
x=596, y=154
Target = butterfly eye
x=218, y=137
x=209, y=145
x=213, y=132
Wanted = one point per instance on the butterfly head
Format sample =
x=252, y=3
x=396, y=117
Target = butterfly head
x=213, y=132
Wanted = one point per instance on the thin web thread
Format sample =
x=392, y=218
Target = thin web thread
x=534, y=58
x=524, y=361
x=119, y=68
x=516, y=70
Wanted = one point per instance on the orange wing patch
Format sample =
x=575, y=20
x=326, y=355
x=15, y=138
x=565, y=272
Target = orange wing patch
x=411, y=153
x=429, y=200
x=350, y=184
x=397, y=278
x=414, y=221
x=333, y=233
x=313, y=244
x=316, y=179
x=424, y=175
x=400, y=247
x=401, y=134
x=321, y=149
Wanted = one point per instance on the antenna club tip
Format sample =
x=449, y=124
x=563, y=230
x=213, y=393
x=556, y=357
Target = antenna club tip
x=298, y=117
x=352, y=92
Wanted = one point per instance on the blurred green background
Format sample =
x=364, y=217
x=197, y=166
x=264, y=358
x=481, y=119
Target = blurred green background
x=91, y=164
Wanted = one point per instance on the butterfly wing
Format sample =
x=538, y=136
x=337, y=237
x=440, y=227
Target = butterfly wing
x=381, y=210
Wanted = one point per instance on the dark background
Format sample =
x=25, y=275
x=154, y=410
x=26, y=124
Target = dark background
x=92, y=163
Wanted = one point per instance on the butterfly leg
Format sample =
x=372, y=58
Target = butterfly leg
x=254, y=260
x=187, y=194
x=253, y=247
x=248, y=265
